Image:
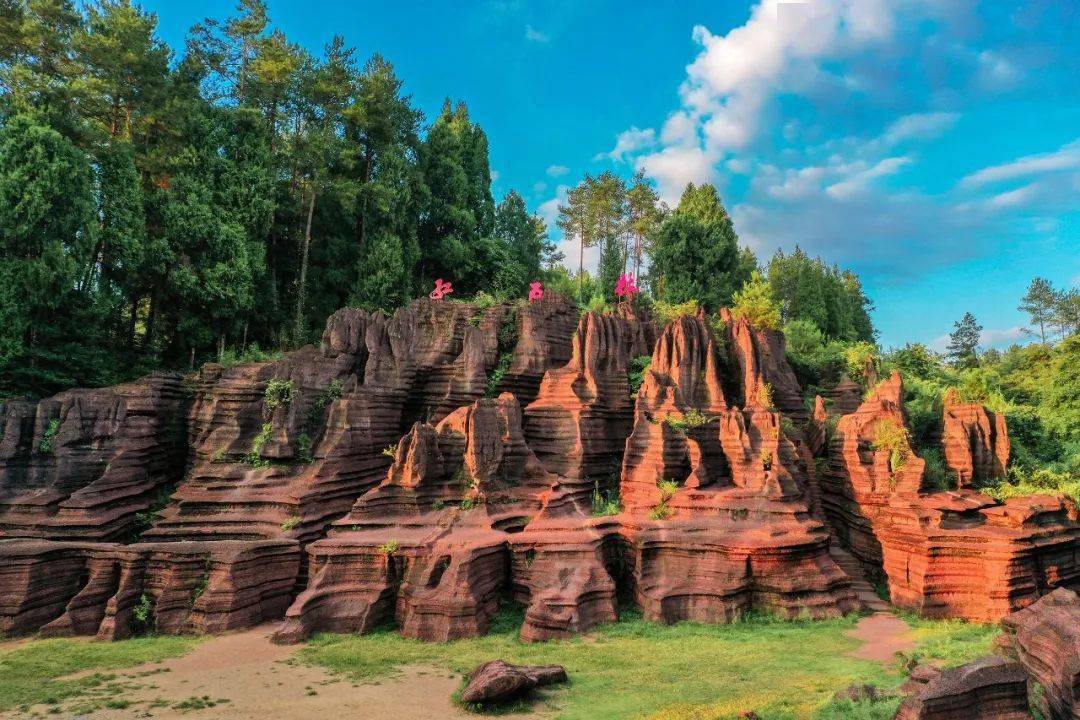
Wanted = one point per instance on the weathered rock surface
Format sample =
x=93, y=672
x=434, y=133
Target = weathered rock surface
x=498, y=681
x=83, y=464
x=974, y=440
x=1045, y=638
x=945, y=553
x=581, y=417
x=83, y=588
x=765, y=372
x=988, y=689
x=428, y=546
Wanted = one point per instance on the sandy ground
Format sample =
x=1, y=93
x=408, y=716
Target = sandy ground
x=245, y=676
x=883, y=635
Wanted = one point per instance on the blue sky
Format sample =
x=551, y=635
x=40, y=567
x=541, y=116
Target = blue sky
x=931, y=145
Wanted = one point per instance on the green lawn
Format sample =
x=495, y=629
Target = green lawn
x=689, y=671
x=31, y=673
x=632, y=669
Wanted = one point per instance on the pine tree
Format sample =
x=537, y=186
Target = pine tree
x=695, y=254
x=964, y=341
x=1038, y=303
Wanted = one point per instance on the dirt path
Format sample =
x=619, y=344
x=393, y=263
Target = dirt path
x=243, y=676
x=883, y=635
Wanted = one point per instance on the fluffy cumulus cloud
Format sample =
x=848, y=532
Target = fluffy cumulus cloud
x=828, y=110
x=557, y=170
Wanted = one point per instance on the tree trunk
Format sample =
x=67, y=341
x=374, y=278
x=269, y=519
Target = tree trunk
x=580, y=269
x=298, y=325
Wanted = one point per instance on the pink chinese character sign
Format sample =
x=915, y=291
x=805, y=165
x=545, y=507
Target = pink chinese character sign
x=626, y=288
x=441, y=290
x=536, y=291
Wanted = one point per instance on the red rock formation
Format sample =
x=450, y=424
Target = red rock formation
x=765, y=372
x=974, y=440
x=945, y=553
x=1045, y=638
x=81, y=588
x=428, y=546
x=83, y=464
x=843, y=399
x=578, y=424
x=544, y=329
x=735, y=535
x=988, y=689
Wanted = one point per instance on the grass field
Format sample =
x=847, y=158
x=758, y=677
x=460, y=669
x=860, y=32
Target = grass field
x=37, y=672
x=637, y=669
x=632, y=669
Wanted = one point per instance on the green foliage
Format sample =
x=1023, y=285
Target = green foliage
x=893, y=438
x=303, y=448
x=143, y=618
x=937, y=474
x=279, y=393
x=666, y=312
x=635, y=372
x=388, y=548
x=605, y=503
x=597, y=304
x=766, y=457
x=45, y=446
x=696, y=255
x=765, y=396
x=692, y=418
x=964, y=341
x=857, y=357
x=250, y=354
x=827, y=298
x=254, y=457
x=290, y=524
x=390, y=451
x=498, y=373
x=756, y=303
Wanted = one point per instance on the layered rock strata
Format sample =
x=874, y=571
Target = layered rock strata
x=85, y=464
x=989, y=689
x=1045, y=638
x=945, y=553
x=974, y=441
x=469, y=510
x=113, y=591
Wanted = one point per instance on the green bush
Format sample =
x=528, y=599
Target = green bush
x=279, y=393
x=892, y=437
x=254, y=458
x=45, y=445
x=635, y=372
x=692, y=418
x=666, y=312
x=605, y=503
x=497, y=374
x=756, y=302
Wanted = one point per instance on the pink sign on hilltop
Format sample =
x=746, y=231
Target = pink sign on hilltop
x=626, y=287
x=536, y=291
x=441, y=290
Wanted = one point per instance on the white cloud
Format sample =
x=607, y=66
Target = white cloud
x=629, y=142
x=920, y=126
x=860, y=180
x=557, y=170
x=549, y=211
x=675, y=166
x=1065, y=158
x=539, y=187
x=534, y=35
x=494, y=176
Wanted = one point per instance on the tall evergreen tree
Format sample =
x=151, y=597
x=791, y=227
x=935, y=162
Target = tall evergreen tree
x=1038, y=303
x=964, y=341
x=695, y=254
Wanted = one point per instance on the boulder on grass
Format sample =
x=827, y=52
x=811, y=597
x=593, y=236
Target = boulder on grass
x=497, y=681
